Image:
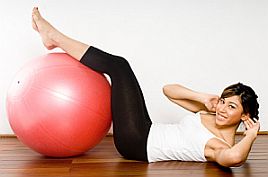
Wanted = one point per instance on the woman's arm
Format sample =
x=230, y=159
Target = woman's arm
x=189, y=99
x=238, y=154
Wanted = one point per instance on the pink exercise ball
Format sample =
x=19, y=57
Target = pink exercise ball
x=59, y=107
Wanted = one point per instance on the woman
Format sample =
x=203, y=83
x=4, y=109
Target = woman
x=208, y=135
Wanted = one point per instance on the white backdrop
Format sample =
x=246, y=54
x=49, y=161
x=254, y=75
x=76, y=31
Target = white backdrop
x=205, y=45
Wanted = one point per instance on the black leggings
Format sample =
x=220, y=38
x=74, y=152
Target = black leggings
x=131, y=122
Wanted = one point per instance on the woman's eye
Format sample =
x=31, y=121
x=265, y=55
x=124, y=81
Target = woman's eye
x=231, y=106
x=222, y=101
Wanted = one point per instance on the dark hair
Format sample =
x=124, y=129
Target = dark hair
x=248, y=98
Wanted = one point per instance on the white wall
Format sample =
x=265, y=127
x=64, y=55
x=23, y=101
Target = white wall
x=205, y=45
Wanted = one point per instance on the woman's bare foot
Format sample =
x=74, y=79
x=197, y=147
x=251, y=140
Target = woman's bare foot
x=52, y=38
x=47, y=32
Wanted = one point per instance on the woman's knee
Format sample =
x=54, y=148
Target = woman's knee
x=121, y=62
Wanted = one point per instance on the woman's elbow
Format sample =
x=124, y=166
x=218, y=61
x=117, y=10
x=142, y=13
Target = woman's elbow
x=166, y=89
x=169, y=89
x=238, y=160
x=235, y=160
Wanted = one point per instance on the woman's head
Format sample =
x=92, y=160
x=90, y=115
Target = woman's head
x=237, y=101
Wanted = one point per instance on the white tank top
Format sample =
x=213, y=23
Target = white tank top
x=184, y=141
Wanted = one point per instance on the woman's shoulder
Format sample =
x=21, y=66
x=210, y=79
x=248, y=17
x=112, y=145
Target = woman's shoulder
x=208, y=117
x=214, y=144
x=202, y=112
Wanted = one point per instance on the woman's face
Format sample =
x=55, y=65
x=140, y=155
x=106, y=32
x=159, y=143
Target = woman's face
x=229, y=111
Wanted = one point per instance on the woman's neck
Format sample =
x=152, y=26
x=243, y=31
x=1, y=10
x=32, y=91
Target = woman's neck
x=228, y=132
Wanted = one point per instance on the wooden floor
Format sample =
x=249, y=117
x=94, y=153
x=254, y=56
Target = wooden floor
x=16, y=160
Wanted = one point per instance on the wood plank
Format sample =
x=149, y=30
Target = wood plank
x=17, y=160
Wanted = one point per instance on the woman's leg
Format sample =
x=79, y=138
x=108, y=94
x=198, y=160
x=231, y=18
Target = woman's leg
x=130, y=117
x=53, y=38
x=131, y=122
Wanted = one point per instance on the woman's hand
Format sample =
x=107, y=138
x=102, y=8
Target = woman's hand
x=210, y=101
x=252, y=127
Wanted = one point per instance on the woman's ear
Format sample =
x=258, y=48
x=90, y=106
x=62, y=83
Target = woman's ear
x=245, y=117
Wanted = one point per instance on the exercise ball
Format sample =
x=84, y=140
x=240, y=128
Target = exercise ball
x=58, y=106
